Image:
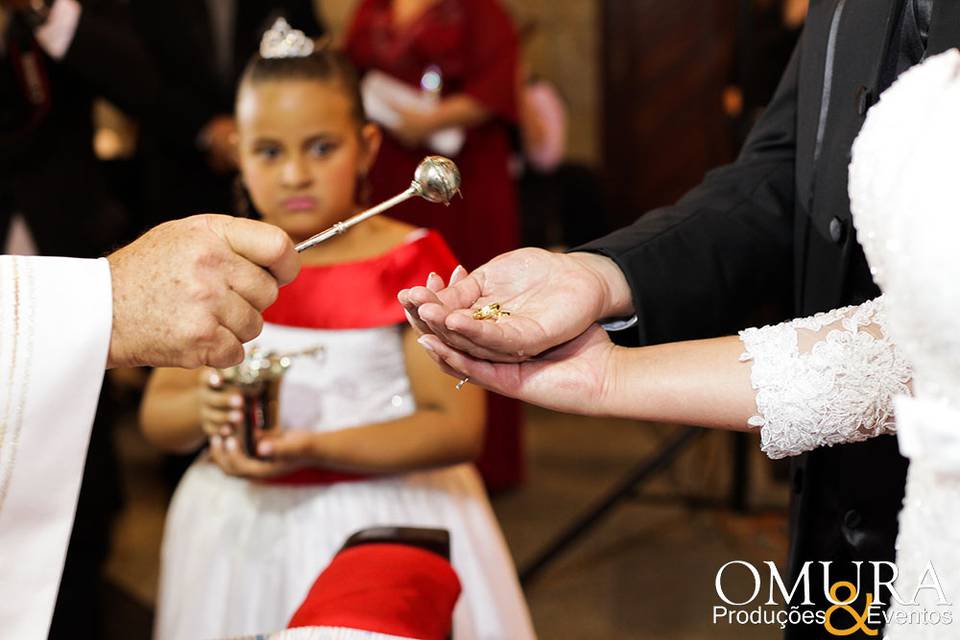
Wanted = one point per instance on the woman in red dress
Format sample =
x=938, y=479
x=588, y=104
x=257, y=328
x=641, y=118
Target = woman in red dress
x=472, y=46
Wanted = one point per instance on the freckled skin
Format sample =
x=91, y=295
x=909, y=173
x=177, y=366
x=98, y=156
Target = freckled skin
x=170, y=290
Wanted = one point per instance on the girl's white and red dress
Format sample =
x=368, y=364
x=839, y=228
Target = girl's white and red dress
x=239, y=556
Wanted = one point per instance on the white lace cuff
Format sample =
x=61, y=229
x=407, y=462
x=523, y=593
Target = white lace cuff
x=825, y=380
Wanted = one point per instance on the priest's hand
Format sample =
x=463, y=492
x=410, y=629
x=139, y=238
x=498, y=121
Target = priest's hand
x=189, y=292
x=551, y=298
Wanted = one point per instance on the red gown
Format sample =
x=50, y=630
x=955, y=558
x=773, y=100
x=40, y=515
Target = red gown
x=474, y=45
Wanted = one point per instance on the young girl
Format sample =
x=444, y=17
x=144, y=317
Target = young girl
x=367, y=428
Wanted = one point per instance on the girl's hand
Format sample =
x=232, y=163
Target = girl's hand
x=221, y=407
x=227, y=454
x=291, y=446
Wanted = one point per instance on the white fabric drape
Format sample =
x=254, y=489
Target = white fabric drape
x=55, y=324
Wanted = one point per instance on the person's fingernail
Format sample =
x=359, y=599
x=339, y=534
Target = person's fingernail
x=235, y=416
x=425, y=343
x=216, y=441
x=458, y=273
x=225, y=431
x=231, y=444
x=265, y=448
x=236, y=400
x=214, y=379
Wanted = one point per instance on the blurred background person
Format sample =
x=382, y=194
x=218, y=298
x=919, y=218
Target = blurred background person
x=188, y=140
x=555, y=192
x=464, y=53
x=56, y=58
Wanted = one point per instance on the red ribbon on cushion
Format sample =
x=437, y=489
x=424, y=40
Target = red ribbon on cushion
x=393, y=589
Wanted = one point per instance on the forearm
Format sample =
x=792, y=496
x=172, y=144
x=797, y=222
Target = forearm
x=700, y=382
x=427, y=438
x=170, y=419
x=811, y=382
x=458, y=111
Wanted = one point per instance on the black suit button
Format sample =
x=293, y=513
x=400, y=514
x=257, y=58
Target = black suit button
x=852, y=519
x=862, y=98
x=838, y=230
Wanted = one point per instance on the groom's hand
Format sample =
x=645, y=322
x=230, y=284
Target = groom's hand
x=551, y=297
x=189, y=292
x=581, y=376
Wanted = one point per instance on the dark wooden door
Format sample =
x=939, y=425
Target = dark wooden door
x=665, y=65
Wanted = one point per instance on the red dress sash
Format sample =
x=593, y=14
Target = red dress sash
x=356, y=295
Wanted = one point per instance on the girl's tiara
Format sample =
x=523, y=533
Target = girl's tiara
x=281, y=41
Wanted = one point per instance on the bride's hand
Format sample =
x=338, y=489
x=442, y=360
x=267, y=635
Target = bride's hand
x=575, y=377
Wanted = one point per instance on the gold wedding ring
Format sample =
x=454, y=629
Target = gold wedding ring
x=490, y=311
x=462, y=382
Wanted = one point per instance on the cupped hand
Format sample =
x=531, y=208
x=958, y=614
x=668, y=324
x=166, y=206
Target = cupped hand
x=576, y=377
x=291, y=445
x=551, y=298
x=221, y=406
x=189, y=292
x=227, y=454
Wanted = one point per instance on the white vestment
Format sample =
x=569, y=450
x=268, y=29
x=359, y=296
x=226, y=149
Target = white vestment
x=55, y=324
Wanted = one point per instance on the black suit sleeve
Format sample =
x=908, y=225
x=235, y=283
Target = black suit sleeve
x=107, y=53
x=702, y=267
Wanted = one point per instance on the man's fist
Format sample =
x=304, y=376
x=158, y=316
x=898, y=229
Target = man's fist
x=189, y=292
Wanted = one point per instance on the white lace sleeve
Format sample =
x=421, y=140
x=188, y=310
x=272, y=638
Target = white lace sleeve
x=825, y=380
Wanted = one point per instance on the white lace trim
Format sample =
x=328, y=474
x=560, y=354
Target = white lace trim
x=841, y=391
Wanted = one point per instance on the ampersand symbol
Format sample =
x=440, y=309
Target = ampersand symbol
x=859, y=621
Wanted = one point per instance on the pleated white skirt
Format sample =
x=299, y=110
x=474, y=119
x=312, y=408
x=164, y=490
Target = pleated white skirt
x=238, y=557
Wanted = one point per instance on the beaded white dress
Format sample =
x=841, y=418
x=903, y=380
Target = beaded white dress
x=843, y=376
x=239, y=556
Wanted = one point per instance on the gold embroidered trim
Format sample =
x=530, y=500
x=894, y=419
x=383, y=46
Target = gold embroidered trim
x=4, y=261
x=7, y=454
x=26, y=318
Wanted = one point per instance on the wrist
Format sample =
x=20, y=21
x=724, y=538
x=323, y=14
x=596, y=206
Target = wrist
x=312, y=450
x=118, y=354
x=611, y=394
x=615, y=296
x=114, y=358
